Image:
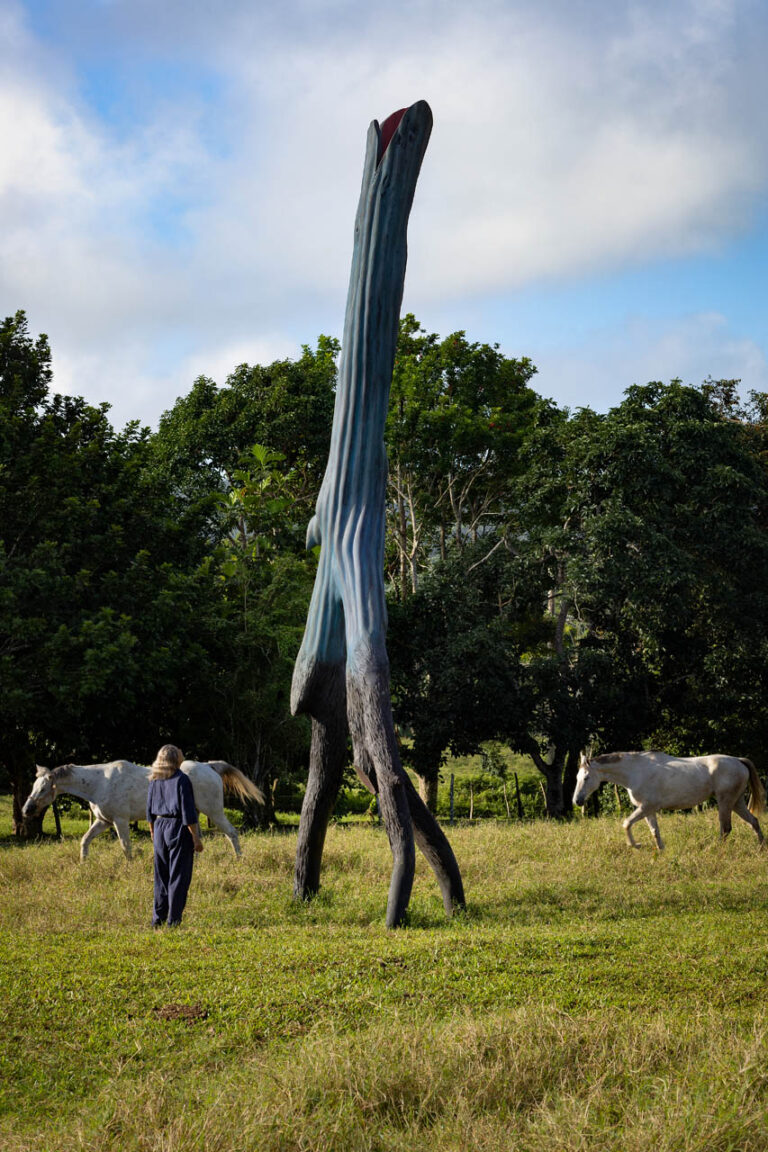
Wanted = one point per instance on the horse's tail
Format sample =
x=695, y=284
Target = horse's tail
x=757, y=791
x=236, y=781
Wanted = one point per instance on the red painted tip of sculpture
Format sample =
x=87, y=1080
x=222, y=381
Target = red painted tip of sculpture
x=387, y=131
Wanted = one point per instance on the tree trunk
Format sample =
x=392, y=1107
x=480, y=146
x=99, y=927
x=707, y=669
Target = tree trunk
x=569, y=779
x=520, y=813
x=402, y=537
x=553, y=790
x=428, y=791
x=21, y=767
x=342, y=670
x=255, y=815
x=554, y=801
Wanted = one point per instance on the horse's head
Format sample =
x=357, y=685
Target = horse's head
x=43, y=793
x=587, y=780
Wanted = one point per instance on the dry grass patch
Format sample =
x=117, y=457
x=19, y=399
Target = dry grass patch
x=532, y=1081
x=590, y=998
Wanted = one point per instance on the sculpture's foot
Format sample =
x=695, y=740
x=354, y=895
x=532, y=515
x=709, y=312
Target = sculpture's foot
x=434, y=844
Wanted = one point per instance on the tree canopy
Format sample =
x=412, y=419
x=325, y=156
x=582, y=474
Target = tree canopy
x=556, y=579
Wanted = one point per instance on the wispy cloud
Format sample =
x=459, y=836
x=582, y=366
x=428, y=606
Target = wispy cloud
x=569, y=139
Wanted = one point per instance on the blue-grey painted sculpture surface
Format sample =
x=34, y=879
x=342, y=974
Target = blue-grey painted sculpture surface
x=341, y=677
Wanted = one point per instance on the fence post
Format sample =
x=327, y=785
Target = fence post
x=519, y=801
x=451, y=797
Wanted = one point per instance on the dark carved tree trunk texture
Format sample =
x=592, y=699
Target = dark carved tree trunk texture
x=342, y=671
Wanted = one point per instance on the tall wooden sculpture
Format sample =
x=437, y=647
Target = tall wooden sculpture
x=341, y=676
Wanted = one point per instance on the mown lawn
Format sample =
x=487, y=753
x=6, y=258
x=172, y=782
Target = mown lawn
x=591, y=997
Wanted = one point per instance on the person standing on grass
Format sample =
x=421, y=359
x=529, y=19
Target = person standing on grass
x=173, y=826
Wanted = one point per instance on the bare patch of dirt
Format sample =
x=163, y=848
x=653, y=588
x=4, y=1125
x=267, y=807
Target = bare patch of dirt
x=190, y=1013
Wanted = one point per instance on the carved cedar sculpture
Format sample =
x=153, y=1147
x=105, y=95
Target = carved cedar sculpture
x=341, y=676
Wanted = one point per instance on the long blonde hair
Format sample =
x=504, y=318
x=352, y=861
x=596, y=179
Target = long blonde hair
x=167, y=761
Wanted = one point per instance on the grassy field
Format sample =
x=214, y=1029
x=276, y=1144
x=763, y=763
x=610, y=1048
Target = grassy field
x=591, y=997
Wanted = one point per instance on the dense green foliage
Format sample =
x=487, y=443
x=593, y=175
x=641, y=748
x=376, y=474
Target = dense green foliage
x=100, y=590
x=138, y=606
x=556, y=579
x=619, y=597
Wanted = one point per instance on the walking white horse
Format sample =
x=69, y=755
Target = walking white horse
x=655, y=780
x=117, y=794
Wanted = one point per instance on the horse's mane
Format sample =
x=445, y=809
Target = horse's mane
x=61, y=772
x=615, y=757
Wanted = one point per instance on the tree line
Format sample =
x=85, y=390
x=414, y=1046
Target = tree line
x=556, y=579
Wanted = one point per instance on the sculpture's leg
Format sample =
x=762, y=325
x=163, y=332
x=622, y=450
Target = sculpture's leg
x=326, y=765
x=373, y=735
x=434, y=844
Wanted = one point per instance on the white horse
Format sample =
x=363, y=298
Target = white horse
x=117, y=794
x=655, y=780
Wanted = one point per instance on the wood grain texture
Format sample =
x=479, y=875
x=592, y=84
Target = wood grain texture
x=341, y=677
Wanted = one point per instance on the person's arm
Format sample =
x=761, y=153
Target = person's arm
x=189, y=810
x=150, y=821
x=195, y=833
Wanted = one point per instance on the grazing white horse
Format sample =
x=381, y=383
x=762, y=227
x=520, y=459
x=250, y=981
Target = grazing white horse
x=117, y=794
x=655, y=780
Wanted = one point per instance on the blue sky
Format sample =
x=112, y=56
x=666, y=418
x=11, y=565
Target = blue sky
x=178, y=183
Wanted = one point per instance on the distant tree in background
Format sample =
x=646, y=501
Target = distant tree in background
x=627, y=601
x=455, y=649
x=652, y=521
x=135, y=606
x=287, y=405
x=459, y=414
x=266, y=583
x=99, y=589
x=245, y=462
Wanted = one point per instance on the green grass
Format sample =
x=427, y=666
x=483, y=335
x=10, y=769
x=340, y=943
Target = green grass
x=591, y=997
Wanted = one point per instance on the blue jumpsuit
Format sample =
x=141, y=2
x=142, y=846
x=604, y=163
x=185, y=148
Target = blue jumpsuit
x=171, y=807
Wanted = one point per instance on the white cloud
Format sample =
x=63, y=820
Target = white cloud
x=568, y=139
x=138, y=390
x=555, y=151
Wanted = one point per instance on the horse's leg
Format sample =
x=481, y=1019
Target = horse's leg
x=638, y=814
x=220, y=820
x=653, y=824
x=725, y=805
x=741, y=809
x=123, y=829
x=95, y=830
